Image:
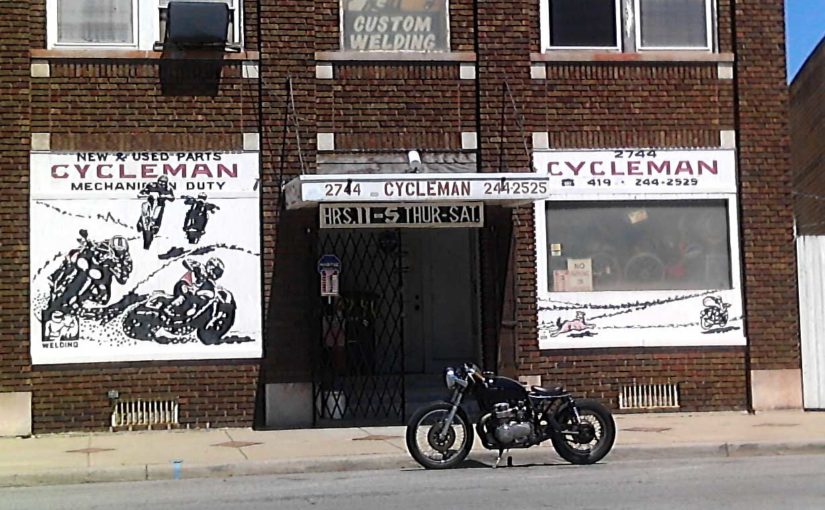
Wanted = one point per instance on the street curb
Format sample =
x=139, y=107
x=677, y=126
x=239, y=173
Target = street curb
x=530, y=457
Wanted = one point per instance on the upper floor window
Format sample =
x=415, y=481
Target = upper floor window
x=113, y=24
x=86, y=22
x=395, y=25
x=627, y=25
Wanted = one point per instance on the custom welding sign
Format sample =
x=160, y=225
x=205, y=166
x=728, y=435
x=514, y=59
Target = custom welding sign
x=395, y=25
x=425, y=215
x=329, y=267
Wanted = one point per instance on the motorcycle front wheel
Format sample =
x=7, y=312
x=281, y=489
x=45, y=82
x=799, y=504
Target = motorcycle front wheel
x=425, y=444
x=590, y=440
x=148, y=236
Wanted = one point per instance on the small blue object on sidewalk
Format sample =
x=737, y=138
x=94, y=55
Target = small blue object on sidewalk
x=176, y=466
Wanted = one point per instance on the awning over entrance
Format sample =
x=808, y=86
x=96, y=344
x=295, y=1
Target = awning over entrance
x=506, y=189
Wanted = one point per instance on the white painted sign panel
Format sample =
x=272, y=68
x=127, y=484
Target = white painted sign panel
x=144, y=256
x=638, y=248
x=638, y=171
x=306, y=190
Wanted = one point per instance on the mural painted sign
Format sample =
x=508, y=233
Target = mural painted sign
x=395, y=25
x=639, y=171
x=144, y=256
x=621, y=264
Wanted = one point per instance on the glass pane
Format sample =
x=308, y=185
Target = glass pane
x=94, y=21
x=586, y=23
x=673, y=23
x=662, y=245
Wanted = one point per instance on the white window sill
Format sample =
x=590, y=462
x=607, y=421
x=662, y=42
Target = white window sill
x=132, y=54
x=395, y=56
x=644, y=56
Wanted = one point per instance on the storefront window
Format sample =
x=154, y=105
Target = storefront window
x=638, y=245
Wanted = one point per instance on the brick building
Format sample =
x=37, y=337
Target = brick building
x=661, y=262
x=807, y=126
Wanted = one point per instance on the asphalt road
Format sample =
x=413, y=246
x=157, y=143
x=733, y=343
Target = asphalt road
x=787, y=482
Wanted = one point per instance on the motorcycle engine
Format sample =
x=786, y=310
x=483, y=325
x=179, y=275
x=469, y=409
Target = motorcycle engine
x=509, y=425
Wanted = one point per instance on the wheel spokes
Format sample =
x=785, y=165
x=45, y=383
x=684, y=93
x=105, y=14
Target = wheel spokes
x=434, y=447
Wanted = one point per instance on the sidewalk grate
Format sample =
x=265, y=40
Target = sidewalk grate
x=144, y=413
x=649, y=396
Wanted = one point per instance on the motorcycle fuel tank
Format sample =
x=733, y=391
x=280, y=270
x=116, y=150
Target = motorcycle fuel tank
x=501, y=389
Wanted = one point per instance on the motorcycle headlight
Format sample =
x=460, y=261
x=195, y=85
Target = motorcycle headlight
x=450, y=379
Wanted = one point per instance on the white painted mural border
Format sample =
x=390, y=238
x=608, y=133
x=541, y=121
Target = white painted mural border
x=129, y=266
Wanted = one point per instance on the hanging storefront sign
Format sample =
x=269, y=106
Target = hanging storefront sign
x=638, y=247
x=395, y=25
x=428, y=215
x=502, y=188
x=138, y=256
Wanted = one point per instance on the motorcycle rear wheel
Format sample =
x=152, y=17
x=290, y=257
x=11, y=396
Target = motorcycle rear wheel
x=424, y=444
x=581, y=448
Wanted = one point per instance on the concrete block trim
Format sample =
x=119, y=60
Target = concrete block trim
x=16, y=414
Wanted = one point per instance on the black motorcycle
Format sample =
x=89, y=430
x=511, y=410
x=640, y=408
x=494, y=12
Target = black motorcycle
x=86, y=274
x=163, y=318
x=714, y=315
x=151, y=213
x=440, y=435
x=196, y=217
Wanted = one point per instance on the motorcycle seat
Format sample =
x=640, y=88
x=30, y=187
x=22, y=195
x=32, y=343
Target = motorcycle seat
x=556, y=391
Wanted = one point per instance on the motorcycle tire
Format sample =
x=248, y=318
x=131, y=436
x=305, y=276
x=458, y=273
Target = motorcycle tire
x=193, y=237
x=571, y=448
x=706, y=323
x=434, y=412
x=140, y=325
x=211, y=335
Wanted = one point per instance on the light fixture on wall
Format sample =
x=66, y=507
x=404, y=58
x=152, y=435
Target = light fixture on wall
x=414, y=159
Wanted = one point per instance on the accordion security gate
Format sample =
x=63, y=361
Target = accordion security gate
x=359, y=369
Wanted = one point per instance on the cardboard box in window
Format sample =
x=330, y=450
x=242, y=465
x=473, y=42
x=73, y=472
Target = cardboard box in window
x=579, y=275
x=572, y=281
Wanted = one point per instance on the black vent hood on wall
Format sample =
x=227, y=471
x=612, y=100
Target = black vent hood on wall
x=197, y=25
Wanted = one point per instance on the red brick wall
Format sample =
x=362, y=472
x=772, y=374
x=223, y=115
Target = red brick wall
x=807, y=125
x=120, y=105
x=397, y=106
x=770, y=259
x=14, y=235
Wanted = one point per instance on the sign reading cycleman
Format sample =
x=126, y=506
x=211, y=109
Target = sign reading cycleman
x=468, y=214
x=139, y=256
x=305, y=190
x=639, y=171
x=395, y=25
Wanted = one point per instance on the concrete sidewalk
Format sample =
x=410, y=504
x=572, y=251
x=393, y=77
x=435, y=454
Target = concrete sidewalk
x=152, y=455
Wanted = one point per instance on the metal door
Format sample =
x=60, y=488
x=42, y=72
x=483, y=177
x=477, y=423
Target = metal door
x=359, y=372
x=811, y=260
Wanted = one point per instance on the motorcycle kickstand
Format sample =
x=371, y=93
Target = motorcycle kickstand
x=501, y=452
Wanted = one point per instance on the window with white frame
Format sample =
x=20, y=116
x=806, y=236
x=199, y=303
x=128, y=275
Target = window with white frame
x=114, y=24
x=638, y=245
x=627, y=25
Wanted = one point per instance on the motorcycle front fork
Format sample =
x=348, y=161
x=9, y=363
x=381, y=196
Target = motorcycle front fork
x=455, y=401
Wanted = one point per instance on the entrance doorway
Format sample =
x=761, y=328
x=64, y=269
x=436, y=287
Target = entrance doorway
x=408, y=307
x=441, y=309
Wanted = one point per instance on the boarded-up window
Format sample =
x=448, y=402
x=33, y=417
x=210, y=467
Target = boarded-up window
x=395, y=25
